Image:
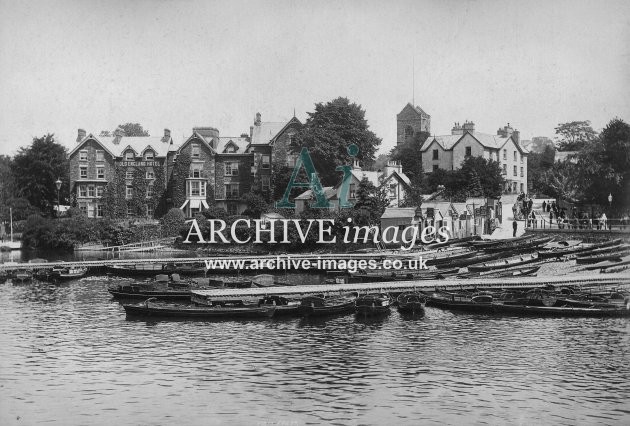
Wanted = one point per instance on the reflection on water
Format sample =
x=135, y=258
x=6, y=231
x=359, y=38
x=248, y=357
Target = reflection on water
x=67, y=354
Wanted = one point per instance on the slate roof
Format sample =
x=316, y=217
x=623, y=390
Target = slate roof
x=137, y=143
x=224, y=142
x=329, y=191
x=447, y=142
x=398, y=212
x=266, y=131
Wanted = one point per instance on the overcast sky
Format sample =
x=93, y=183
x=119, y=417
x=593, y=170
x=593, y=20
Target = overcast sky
x=179, y=64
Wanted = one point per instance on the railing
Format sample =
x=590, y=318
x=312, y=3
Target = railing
x=577, y=224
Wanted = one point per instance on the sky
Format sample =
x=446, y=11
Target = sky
x=87, y=64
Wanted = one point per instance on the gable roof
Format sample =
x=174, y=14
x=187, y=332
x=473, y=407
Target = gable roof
x=138, y=144
x=241, y=144
x=197, y=136
x=329, y=191
x=447, y=142
x=267, y=132
x=399, y=212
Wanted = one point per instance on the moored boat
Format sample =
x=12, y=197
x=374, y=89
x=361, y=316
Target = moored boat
x=504, y=263
x=151, y=308
x=411, y=303
x=373, y=304
x=69, y=273
x=317, y=306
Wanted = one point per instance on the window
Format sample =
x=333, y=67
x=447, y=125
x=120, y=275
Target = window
x=195, y=188
x=515, y=156
x=100, y=173
x=150, y=210
x=149, y=155
x=195, y=172
x=150, y=174
x=83, y=207
x=129, y=211
x=521, y=159
x=435, y=154
x=468, y=151
x=129, y=192
x=195, y=150
x=515, y=174
x=90, y=210
x=352, y=191
x=99, y=210
x=505, y=169
x=522, y=187
x=231, y=190
x=231, y=168
x=83, y=155
x=232, y=209
x=83, y=172
x=129, y=174
x=522, y=173
x=436, y=167
x=82, y=191
x=505, y=154
x=266, y=183
x=91, y=191
x=150, y=191
x=99, y=191
x=100, y=155
x=292, y=139
x=408, y=132
x=392, y=190
x=292, y=160
x=202, y=189
x=266, y=161
x=130, y=156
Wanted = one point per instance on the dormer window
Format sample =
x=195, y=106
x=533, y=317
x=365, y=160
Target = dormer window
x=230, y=148
x=149, y=155
x=130, y=156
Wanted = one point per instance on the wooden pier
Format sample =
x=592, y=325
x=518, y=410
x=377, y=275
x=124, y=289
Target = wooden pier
x=587, y=281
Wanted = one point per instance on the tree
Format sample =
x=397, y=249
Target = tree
x=371, y=203
x=173, y=221
x=35, y=170
x=256, y=205
x=574, y=136
x=537, y=164
x=410, y=157
x=486, y=175
x=105, y=134
x=133, y=129
x=330, y=130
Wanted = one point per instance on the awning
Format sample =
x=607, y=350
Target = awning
x=204, y=204
x=183, y=205
x=195, y=204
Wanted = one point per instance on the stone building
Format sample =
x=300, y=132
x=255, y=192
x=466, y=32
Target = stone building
x=409, y=121
x=95, y=162
x=449, y=151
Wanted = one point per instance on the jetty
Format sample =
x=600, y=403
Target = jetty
x=585, y=281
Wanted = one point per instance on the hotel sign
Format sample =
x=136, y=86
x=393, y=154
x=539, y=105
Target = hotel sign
x=140, y=163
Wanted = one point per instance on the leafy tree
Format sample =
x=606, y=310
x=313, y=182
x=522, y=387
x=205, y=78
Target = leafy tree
x=371, y=203
x=330, y=130
x=133, y=129
x=537, y=164
x=574, y=136
x=486, y=175
x=256, y=204
x=105, y=134
x=562, y=181
x=35, y=170
x=410, y=157
x=173, y=221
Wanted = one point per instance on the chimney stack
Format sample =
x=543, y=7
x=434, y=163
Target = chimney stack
x=251, y=132
x=167, y=135
x=469, y=127
x=516, y=135
x=257, y=121
x=80, y=135
x=457, y=129
x=118, y=135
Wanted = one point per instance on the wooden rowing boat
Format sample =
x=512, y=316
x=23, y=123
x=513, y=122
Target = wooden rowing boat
x=317, y=306
x=151, y=308
x=504, y=263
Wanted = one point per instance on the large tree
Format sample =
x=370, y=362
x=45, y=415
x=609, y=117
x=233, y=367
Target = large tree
x=330, y=130
x=371, y=203
x=574, y=136
x=35, y=170
x=484, y=175
x=134, y=129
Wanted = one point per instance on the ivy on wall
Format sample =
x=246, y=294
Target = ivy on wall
x=114, y=203
x=177, y=185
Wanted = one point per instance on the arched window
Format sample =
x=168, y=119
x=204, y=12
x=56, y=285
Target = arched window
x=408, y=132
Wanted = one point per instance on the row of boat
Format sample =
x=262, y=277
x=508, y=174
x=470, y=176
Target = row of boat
x=271, y=306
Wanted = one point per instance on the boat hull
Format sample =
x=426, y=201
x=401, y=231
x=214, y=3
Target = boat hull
x=150, y=310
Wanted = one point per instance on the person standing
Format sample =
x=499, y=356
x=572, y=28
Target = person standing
x=514, y=227
x=544, y=206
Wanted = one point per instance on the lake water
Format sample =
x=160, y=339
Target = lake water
x=69, y=356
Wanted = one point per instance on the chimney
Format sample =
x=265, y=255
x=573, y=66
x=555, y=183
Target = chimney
x=457, y=129
x=355, y=164
x=167, y=135
x=118, y=135
x=516, y=135
x=469, y=127
x=80, y=135
x=251, y=132
x=391, y=167
x=257, y=121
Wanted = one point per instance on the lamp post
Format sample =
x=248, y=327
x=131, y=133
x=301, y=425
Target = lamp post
x=58, y=185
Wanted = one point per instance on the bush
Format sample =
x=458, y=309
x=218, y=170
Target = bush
x=173, y=221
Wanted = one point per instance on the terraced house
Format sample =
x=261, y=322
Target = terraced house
x=129, y=176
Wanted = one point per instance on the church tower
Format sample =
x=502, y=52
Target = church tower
x=409, y=121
